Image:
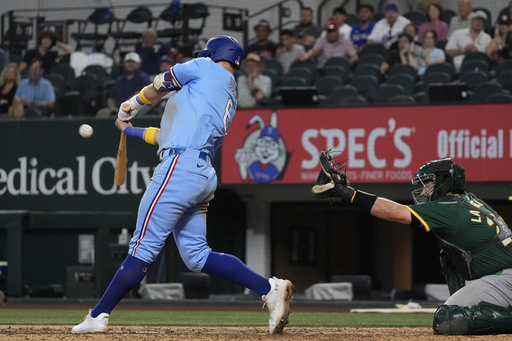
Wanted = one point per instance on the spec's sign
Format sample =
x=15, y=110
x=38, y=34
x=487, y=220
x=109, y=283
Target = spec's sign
x=381, y=144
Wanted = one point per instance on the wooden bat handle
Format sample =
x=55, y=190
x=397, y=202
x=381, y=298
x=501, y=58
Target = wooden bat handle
x=126, y=107
x=120, y=172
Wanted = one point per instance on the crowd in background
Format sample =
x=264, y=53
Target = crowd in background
x=28, y=89
x=435, y=40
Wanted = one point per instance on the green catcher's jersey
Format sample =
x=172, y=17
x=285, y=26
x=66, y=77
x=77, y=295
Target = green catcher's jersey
x=467, y=228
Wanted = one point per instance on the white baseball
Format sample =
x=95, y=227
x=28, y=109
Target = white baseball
x=85, y=131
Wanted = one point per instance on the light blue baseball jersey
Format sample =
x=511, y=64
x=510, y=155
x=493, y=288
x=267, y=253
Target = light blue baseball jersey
x=199, y=114
x=194, y=122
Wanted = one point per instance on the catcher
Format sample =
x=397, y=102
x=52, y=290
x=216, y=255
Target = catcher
x=476, y=249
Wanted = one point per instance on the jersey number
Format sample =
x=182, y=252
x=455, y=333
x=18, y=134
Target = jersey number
x=227, y=115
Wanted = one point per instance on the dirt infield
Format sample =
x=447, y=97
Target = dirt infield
x=61, y=333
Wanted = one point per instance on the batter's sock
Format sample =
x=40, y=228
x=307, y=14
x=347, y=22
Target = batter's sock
x=232, y=269
x=130, y=273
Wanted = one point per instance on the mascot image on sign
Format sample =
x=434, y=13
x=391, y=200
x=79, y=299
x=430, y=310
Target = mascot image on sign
x=263, y=156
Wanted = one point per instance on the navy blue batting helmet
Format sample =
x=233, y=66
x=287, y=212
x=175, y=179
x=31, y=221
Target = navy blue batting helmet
x=223, y=48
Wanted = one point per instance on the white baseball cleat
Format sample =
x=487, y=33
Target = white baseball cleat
x=98, y=324
x=278, y=303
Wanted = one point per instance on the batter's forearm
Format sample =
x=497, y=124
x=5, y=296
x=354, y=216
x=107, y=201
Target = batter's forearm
x=151, y=94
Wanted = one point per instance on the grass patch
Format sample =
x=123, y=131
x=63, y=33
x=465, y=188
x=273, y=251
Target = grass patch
x=214, y=318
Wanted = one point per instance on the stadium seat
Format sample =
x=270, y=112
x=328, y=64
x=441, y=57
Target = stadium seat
x=386, y=92
x=366, y=85
x=341, y=61
x=340, y=93
x=472, y=78
x=402, y=99
x=499, y=98
x=483, y=90
x=334, y=70
x=403, y=68
x=416, y=17
x=371, y=58
x=293, y=81
x=58, y=82
x=300, y=72
x=141, y=18
x=275, y=65
x=66, y=71
x=374, y=48
x=359, y=100
x=405, y=80
x=326, y=84
x=100, y=19
x=367, y=69
x=434, y=78
x=474, y=65
x=505, y=79
x=308, y=63
x=504, y=66
x=440, y=67
x=477, y=55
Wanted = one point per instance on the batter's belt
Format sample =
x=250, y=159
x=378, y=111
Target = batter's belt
x=188, y=152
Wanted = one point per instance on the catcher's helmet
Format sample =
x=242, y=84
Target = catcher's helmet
x=446, y=175
x=223, y=48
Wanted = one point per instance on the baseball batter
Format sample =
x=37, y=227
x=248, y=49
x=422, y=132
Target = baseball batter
x=476, y=244
x=193, y=126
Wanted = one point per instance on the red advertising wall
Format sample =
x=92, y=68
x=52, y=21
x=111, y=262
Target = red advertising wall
x=381, y=144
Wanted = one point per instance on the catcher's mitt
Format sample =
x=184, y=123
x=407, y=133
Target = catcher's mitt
x=331, y=174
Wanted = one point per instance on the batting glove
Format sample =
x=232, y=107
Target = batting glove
x=135, y=107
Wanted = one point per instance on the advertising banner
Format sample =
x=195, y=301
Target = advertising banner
x=381, y=144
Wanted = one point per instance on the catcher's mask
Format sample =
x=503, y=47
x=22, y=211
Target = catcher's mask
x=438, y=178
x=223, y=48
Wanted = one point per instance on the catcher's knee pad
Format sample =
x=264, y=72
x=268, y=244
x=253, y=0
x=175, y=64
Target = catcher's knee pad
x=483, y=318
x=452, y=320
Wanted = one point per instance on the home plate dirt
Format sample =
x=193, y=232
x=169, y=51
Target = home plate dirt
x=62, y=333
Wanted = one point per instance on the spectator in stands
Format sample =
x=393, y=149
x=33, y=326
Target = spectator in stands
x=340, y=16
x=412, y=30
x=387, y=29
x=467, y=40
x=360, y=32
x=264, y=47
x=10, y=79
x=463, y=18
x=430, y=54
x=165, y=63
x=306, y=32
x=405, y=54
x=506, y=51
x=500, y=37
x=126, y=85
x=48, y=57
x=34, y=96
x=434, y=15
x=253, y=87
x=509, y=14
x=333, y=45
x=288, y=51
x=150, y=51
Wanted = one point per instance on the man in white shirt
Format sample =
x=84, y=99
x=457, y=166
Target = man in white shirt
x=287, y=51
x=463, y=19
x=340, y=16
x=467, y=40
x=387, y=29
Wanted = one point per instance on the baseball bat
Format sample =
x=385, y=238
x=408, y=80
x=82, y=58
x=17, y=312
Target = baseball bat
x=120, y=172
